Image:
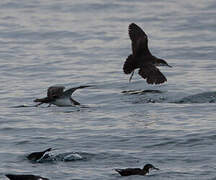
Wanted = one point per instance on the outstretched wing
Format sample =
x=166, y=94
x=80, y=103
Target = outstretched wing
x=70, y=91
x=129, y=65
x=138, y=37
x=152, y=74
x=55, y=91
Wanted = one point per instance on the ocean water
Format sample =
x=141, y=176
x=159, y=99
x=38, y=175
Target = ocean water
x=119, y=124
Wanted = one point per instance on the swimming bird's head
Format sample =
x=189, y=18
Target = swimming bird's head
x=161, y=62
x=149, y=166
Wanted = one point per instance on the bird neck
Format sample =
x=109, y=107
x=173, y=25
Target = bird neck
x=146, y=171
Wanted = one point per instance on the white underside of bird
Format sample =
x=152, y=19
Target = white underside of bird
x=63, y=102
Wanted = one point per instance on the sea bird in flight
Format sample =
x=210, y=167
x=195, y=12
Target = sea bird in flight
x=142, y=59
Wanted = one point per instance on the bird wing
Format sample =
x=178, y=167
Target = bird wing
x=129, y=65
x=55, y=91
x=70, y=91
x=152, y=74
x=47, y=150
x=37, y=155
x=138, y=37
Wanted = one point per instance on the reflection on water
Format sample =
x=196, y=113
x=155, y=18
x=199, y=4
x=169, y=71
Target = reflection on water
x=141, y=91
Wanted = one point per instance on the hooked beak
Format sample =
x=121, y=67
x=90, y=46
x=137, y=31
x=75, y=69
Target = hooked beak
x=155, y=168
x=169, y=66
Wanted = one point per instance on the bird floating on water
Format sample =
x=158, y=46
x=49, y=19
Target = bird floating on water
x=37, y=155
x=57, y=96
x=136, y=171
x=142, y=59
x=24, y=177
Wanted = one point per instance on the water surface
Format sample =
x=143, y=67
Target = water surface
x=120, y=124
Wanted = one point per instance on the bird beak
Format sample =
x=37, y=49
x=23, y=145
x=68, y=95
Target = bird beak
x=155, y=168
x=169, y=65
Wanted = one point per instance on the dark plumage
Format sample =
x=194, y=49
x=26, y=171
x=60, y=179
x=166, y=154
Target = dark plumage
x=37, y=155
x=136, y=171
x=57, y=96
x=24, y=177
x=142, y=58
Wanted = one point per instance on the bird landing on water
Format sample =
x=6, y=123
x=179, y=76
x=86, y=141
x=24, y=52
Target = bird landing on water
x=57, y=96
x=142, y=59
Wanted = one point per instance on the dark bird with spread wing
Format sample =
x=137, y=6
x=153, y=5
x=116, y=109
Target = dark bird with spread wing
x=57, y=96
x=142, y=59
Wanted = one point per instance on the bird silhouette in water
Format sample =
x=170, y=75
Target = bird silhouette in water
x=24, y=177
x=136, y=171
x=37, y=155
x=57, y=96
x=142, y=59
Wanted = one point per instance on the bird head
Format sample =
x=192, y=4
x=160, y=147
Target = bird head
x=149, y=166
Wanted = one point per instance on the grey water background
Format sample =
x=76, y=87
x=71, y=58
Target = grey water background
x=72, y=43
